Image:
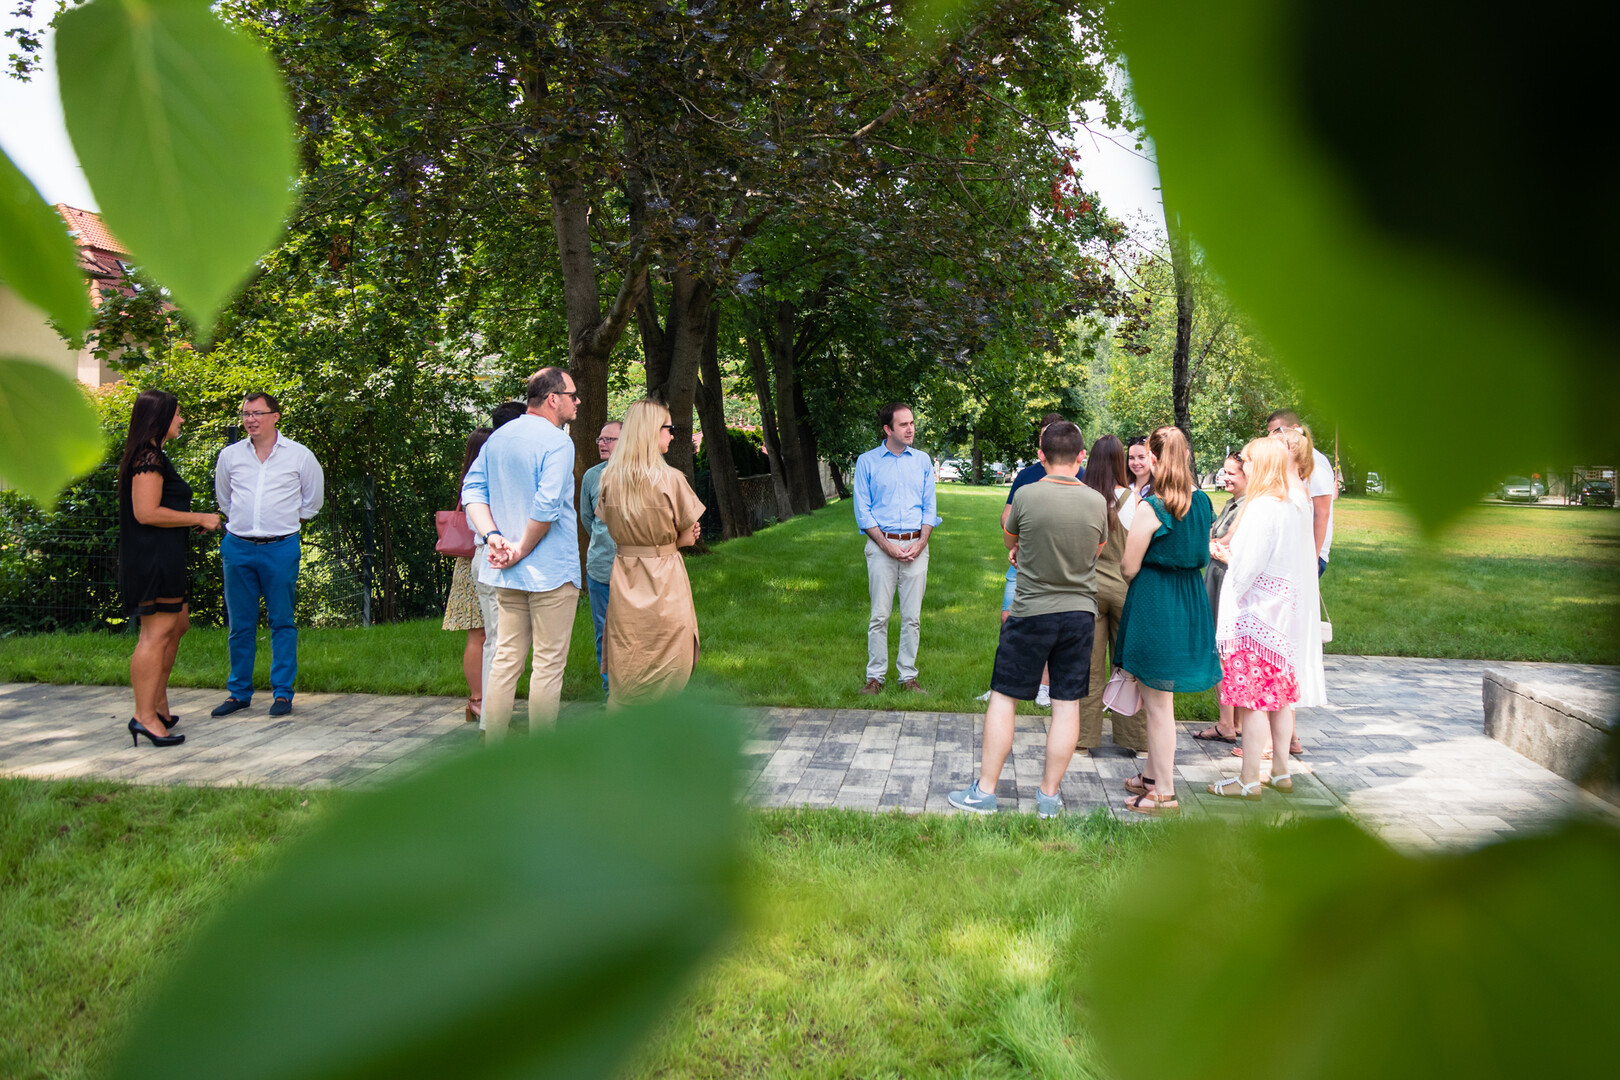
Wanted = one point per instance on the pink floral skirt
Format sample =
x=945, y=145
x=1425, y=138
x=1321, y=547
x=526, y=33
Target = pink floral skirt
x=1251, y=682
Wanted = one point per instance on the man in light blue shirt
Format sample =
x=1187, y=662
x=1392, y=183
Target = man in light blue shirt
x=519, y=496
x=894, y=507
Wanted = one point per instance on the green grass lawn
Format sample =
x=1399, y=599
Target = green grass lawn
x=880, y=945
x=783, y=613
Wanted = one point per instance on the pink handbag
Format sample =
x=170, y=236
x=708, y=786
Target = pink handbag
x=455, y=535
x=1122, y=696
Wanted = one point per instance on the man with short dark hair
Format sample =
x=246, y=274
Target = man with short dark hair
x=519, y=495
x=266, y=486
x=599, y=556
x=894, y=507
x=1055, y=530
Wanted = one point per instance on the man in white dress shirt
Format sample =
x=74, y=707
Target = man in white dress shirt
x=267, y=486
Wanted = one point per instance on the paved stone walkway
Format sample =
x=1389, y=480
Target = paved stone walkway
x=1400, y=748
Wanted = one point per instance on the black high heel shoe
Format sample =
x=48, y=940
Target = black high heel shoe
x=171, y=722
x=137, y=729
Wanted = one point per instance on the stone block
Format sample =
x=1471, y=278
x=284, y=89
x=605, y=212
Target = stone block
x=1565, y=723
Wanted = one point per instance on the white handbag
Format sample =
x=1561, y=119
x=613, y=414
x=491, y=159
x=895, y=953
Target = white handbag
x=1122, y=696
x=1327, y=621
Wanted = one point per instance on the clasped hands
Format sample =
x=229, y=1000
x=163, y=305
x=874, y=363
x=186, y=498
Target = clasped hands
x=502, y=552
x=906, y=552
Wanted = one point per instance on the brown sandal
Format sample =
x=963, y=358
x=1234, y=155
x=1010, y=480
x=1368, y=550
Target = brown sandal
x=1139, y=803
x=1139, y=784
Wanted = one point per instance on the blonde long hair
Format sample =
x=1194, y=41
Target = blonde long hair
x=1301, y=447
x=636, y=465
x=1172, y=470
x=1265, y=462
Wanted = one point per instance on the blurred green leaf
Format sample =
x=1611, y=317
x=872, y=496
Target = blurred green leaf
x=48, y=431
x=1412, y=326
x=1318, y=952
x=182, y=127
x=37, y=257
x=523, y=911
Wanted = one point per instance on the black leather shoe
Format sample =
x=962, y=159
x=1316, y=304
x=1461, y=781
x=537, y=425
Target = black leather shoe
x=230, y=705
x=281, y=706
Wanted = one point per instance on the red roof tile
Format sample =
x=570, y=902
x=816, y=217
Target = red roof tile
x=91, y=233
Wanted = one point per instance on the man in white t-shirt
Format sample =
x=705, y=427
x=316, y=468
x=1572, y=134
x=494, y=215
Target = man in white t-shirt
x=1323, y=487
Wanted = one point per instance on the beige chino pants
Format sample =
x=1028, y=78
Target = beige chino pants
x=886, y=576
x=545, y=621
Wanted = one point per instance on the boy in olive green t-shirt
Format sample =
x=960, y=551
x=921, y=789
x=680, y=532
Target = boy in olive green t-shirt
x=1056, y=528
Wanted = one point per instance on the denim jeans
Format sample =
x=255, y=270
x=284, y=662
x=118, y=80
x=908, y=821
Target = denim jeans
x=253, y=571
x=599, y=602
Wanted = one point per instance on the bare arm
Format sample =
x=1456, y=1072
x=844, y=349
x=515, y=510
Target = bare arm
x=145, y=493
x=884, y=544
x=1136, y=543
x=1321, y=514
x=533, y=533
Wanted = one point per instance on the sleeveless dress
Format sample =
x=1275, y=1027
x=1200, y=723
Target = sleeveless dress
x=1166, y=631
x=151, y=558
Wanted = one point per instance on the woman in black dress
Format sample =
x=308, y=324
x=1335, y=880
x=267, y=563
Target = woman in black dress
x=154, y=513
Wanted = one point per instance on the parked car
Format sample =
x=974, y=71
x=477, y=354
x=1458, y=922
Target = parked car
x=1594, y=493
x=1375, y=484
x=950, y=470
x=997, y=472
x=1518, y=489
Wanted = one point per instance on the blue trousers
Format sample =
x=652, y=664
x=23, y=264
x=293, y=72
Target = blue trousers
x=253, y=571
x=599, y=601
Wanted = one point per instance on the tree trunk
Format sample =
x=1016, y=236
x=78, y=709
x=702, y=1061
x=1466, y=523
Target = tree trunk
x=767, y=419
x=787, y=416
x=978, y=460
x=711, y=399
x=675, y=356
x=1180, y=371
x=810, y=453
x=591, y=334
x=838, y=481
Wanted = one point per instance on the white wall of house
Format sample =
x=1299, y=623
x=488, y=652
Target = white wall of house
x=24, y=332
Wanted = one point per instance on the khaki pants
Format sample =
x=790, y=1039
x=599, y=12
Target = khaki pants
x=545, y=620
x=884, y=577
x=1129, y=731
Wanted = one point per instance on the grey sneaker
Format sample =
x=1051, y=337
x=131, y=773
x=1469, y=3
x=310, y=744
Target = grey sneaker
x=973, y=800
x=1047, y=806
x=1043, y=697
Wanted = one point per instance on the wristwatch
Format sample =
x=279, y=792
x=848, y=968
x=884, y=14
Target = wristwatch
x=492, y=532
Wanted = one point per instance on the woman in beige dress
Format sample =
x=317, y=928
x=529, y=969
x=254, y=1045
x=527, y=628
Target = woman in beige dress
x=650, y=639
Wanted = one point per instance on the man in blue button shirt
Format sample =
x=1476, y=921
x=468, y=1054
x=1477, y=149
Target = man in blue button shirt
x=519, y=496
x=894, y=507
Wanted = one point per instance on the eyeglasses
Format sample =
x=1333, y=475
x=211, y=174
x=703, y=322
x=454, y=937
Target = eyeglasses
x=256, y=415
x=604, y=439
x=667, y=427
x=568, y=393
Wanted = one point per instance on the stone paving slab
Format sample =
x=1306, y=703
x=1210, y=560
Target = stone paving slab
x=1400, y=748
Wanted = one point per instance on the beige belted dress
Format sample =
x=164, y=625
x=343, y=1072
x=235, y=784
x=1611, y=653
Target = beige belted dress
x=650, y=639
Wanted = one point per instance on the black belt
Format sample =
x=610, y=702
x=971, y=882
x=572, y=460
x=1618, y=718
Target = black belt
x=263, y=539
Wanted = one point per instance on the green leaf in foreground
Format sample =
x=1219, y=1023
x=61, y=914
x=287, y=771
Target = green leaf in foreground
x=182, y=127
x=1318, y=952
x=1417, y=324
x=524, y=911
x=36, y=256
x=48, y=432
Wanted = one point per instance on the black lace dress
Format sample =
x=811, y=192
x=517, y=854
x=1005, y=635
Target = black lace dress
x=151, y=558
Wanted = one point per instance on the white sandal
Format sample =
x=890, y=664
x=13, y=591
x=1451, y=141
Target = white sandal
x=1283, y=782
x=1244, y=791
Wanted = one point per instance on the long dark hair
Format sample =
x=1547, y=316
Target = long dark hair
x=475, y=443
x=1105, y=471
x=149, y=423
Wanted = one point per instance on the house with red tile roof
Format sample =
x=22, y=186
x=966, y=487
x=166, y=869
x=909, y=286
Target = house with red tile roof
x=24, y=330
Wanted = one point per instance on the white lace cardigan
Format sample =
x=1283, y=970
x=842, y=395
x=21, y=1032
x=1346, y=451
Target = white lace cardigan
x=1270, y=598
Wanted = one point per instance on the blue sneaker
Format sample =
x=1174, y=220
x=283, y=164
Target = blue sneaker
x=973, y=800
x=1047, y=806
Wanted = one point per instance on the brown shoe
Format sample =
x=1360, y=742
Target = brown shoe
x=912, y=685
x=873, y=686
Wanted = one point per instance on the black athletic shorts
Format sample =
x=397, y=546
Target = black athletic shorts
x=1060, y=641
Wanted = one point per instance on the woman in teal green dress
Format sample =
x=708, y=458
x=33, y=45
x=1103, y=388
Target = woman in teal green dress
x=1166, y=631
